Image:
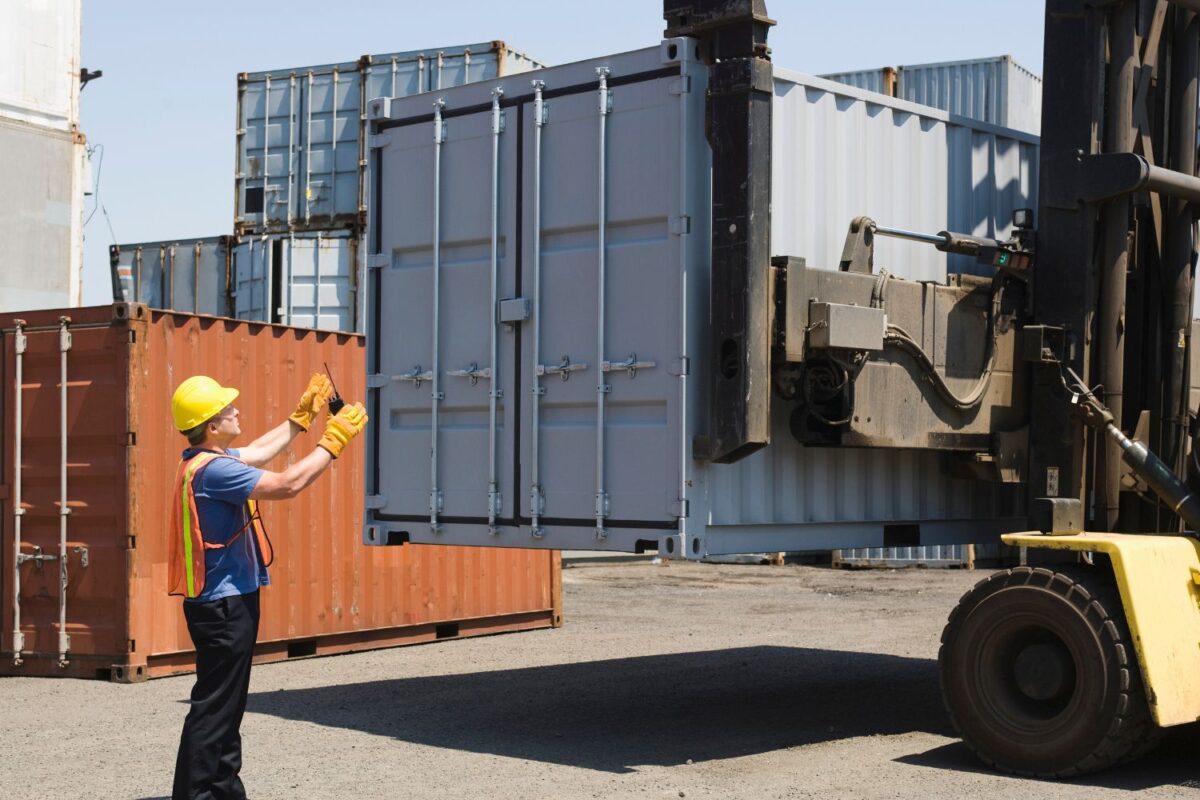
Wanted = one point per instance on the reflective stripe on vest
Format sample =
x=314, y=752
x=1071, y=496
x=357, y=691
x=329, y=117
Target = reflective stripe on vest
x=186, y=569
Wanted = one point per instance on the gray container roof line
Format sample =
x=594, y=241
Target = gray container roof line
x=898, y=104
x=381, y=59
x=967, y=62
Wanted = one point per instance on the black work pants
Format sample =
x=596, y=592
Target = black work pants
x=210, y=750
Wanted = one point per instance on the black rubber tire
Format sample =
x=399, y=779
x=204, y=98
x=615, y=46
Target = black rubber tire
x=1098, y=715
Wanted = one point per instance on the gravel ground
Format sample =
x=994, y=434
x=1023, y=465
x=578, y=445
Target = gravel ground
x=668, y=681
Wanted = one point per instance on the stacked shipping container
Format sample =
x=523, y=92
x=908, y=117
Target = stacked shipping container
x=300, y=190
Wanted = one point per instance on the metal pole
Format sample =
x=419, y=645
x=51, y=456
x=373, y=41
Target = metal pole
x=308, y=147
x=493, y=502
x=286, y=288
x=196, y=279
x=166, y=261
x=602, y=385
x=333, y=137
x=1119, y=138
x=440, y=63
x=439, y=137
x=266, y=150
x=317, y=282
x=291, y=161
x=900, y=233
x=19, y=344
x=537, y=497
x=64, y=510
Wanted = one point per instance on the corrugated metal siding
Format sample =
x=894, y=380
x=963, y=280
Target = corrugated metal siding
x=316, y=271
x=301, y=160
x=122, y=452
x=190, y=275
x=41, y=217
x=872, y=80
x=839, y=152
x=39, y=63
x=995, y=90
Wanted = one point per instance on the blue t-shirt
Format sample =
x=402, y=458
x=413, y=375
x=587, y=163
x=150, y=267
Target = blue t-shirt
x=221, y=489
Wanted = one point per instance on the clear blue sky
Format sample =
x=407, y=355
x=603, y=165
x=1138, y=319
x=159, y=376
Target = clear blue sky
x=165, y=109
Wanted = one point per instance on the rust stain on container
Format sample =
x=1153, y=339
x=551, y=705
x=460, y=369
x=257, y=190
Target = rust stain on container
x=329, y=592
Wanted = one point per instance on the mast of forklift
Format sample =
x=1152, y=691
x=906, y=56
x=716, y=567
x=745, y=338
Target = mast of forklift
x=1113, y=282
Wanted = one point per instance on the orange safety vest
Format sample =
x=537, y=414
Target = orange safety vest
x=186, y=565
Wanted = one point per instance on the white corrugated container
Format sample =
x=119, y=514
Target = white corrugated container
x=41, y=217
x=191, y=275
x=301, y=159
x=307, y=280
x=838, y=152
x=996, y=90
x=882, y=80
x=39, y=63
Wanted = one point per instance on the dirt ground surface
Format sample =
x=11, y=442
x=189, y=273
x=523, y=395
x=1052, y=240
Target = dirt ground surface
x=668, y=681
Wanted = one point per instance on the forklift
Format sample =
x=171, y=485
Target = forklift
x=1076, y=660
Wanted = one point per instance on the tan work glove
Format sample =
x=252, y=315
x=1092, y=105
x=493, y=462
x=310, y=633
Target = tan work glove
x=318, y=392
x=339, y=430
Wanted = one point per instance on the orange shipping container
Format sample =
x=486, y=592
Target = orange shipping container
x=329, y=592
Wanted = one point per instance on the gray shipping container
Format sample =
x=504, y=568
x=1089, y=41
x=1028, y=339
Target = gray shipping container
x=319, y=271
x=41, y=217
x=538, y=296
x=995, y=90
x=191, y=275
x=300, y=152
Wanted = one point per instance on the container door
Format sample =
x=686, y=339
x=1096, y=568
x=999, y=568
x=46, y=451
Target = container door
x=443, y=412
x=319, y=271
x=600, y=435
x=252, y=272
x=331, y=104
x=590, y=315
x=268, y=152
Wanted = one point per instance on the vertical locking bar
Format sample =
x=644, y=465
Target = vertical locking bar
x=268, y=284
x=64, y=641
x=291, y=159
x=266, y=150
x=602, y=387
x=392, y=93
x=286, y=284
x=493, y=500
x=137, y=276
x=166, y=262
x=439, y=136
x=19, y=343
x=440, y=64
x=317, y=282
x=333, y=137
x=421, y=87
x=308, y=148
x=685, y=265
x=196, y=279
x=537, y=497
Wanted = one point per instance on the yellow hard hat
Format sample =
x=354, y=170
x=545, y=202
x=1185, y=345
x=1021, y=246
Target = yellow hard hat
x=197, y=400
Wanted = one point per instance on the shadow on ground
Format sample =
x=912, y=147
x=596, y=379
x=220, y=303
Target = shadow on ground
x=611, y=715
x=1172, y=764
x=616, y=714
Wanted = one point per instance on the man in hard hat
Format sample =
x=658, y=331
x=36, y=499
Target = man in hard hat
x=219, y=556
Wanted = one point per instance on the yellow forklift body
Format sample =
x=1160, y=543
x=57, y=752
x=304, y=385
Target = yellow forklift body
x=1159, y=580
